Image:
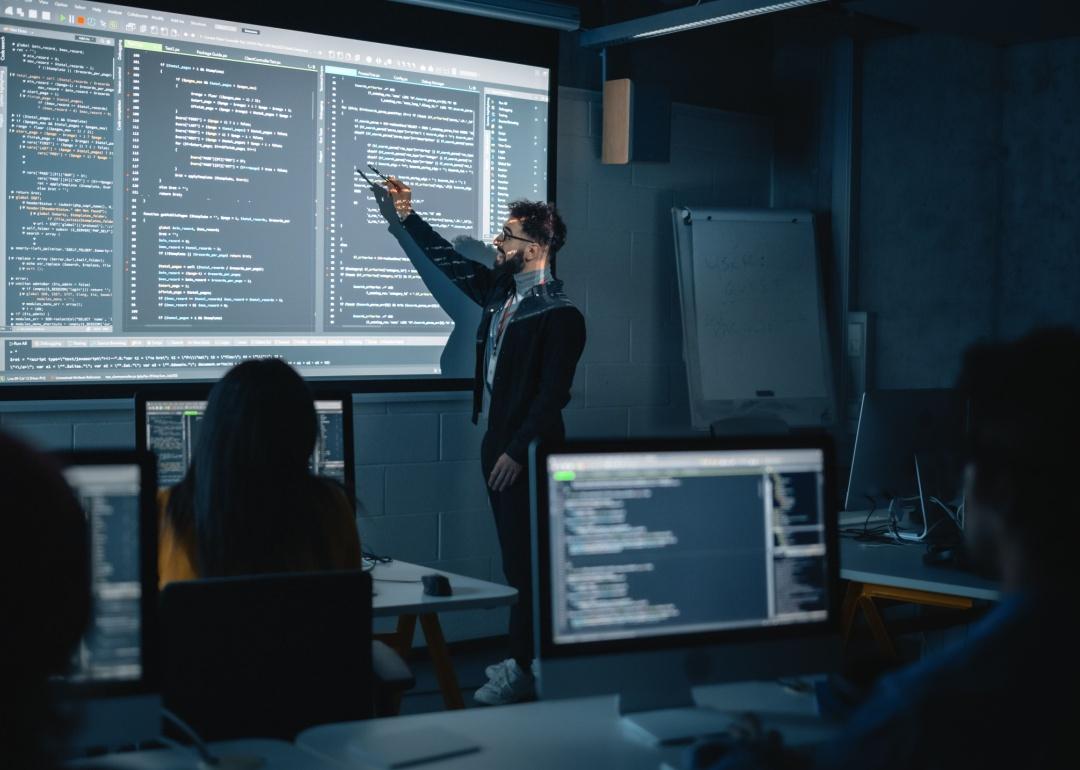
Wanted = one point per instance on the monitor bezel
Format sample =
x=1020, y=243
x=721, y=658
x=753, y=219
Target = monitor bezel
x=541, y=546
x=149, y=682
x=320, y=391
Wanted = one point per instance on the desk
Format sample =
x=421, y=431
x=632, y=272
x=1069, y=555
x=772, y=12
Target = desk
x=898, y=573
x=279, y=755
x=581, y=733
x=398, y=593
x=902, y=566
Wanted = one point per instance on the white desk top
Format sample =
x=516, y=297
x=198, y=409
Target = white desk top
x=902, y=566
x=278, y=755
x=398, y=590
x=581, y=733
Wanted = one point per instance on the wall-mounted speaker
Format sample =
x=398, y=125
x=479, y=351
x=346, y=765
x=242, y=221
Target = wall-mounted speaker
x=637, y=123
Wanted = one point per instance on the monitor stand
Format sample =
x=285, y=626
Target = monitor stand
x=658, y=708
x=937, y=526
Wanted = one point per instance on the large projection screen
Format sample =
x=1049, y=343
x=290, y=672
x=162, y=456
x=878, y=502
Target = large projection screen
x=180, y=194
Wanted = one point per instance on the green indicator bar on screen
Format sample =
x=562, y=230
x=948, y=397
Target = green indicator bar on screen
x=142, y=45
x=191, y=414
x=564, y=475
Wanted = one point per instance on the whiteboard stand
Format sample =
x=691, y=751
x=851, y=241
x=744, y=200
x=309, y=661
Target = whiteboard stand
x=759, y=425
x=755, y=340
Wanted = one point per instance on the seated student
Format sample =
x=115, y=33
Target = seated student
x=1005, y=697
x=44, y=601
x=248, y=503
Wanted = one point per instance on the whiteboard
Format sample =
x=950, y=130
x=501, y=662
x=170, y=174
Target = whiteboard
x=755, y=341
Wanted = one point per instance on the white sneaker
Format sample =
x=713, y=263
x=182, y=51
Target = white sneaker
x=509, y=685
x=492, y=671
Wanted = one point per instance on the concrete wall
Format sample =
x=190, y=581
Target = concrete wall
x=928, y=222
x=418, y=479
x=970, y=176
x=1040, y=269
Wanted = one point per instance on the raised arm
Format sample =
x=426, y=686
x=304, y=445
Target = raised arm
x=473, y=278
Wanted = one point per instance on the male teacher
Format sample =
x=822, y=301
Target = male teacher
x=527, y=348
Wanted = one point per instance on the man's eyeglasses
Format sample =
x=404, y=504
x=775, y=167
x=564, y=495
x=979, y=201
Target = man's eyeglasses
x=506, y=235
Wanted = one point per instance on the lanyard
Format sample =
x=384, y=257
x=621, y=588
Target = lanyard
x=505, y=317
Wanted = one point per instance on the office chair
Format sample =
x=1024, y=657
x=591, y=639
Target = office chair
x=271, y=655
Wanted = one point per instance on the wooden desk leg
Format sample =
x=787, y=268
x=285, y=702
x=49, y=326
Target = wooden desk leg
x=849, y=608
x=440, y=659
x=877, y=627
x=400, y=642
x=401, y=639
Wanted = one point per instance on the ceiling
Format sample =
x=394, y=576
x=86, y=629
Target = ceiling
x=998, y=21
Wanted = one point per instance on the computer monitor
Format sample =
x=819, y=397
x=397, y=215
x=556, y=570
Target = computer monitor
x=168, y=425
x=113, y=679
x=908, y=449
x=665, y=563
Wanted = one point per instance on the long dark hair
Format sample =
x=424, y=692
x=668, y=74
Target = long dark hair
x=248, y=494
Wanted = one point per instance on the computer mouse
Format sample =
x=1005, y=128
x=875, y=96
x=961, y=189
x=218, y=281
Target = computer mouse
x=940, y=556
x=436, y=585
x=707, y=752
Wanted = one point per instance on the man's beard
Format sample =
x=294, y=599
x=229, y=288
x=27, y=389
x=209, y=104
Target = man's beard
x=514, y=264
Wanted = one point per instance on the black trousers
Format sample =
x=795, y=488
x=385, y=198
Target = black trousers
x=511, y=510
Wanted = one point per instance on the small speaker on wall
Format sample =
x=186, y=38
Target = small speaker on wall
x=637, y=123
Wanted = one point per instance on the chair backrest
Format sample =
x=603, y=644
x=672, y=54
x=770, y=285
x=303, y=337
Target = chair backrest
x=267, y=655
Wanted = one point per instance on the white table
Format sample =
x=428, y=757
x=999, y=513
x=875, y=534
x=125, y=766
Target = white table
x=399, y=593
x=277, y=755
x=897, y=572
x=902, y=566
x=584, y=733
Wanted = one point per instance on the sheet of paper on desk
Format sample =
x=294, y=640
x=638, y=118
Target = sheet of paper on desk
x=411, y=746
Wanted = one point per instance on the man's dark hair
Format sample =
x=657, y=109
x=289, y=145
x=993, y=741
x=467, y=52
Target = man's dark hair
x=1024, y=399
x=541, y=222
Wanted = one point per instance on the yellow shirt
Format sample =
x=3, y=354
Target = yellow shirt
x=176, y=550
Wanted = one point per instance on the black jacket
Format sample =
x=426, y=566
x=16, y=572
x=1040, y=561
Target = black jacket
x=539, y=352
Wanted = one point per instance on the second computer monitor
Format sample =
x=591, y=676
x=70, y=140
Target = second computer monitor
x=910, y=443
x=644, y=544
x=661, y=565
x=168, y=425
x=660, y=550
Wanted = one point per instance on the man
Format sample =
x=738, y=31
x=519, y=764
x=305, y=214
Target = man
x=999, y=699
x=527, y=348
